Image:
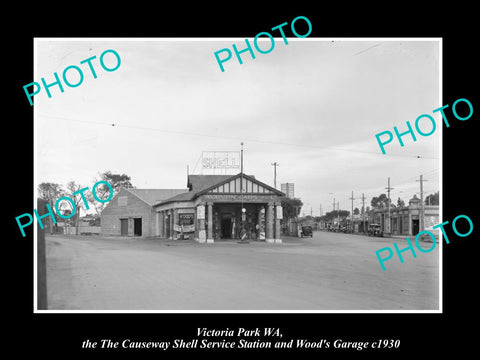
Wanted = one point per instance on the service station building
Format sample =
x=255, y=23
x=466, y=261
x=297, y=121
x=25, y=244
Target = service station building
x=214, y=207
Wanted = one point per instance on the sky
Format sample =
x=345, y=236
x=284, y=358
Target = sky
x=313, y=106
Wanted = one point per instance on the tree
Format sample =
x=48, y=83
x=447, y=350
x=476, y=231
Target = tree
x=291, y=208
x=117, y=181
x=379, y=202
x=400, y=202
x=332, y=215
x=50, y=192
x=433, y=199
x=356, y=211
x=78, y=202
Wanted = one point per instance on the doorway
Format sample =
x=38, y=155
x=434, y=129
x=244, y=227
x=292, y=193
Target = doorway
x=415, y=226
x=226, y=228
x=137, y=227
x=124, y=227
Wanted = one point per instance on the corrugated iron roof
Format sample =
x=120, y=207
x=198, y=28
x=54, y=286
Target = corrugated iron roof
x=200, y=182
x=153, y=196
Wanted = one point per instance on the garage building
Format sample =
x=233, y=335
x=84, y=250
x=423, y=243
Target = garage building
x=131, y=212
x=214, y=207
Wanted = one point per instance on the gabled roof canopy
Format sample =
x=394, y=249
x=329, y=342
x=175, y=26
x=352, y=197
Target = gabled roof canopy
x=232, y=185
x=214, y=184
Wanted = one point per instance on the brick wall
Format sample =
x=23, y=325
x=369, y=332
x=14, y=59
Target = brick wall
x=130, y=207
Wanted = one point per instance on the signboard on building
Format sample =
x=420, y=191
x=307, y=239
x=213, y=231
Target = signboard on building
x=239, y=197
x=184, y=228
x=201, y=212
x=279, y=212
x=185, y=219
x=221, y=160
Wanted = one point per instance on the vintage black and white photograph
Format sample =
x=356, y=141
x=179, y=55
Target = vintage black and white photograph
x=298, y=174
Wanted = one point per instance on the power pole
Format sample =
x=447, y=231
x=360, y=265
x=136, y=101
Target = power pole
x=275, y=164
x=338, y=214
x=389, y=221
x=241, y=158
x=333, y=204
x=363, y=212
x=351, y=214
x=422, y=213
x=243, y=214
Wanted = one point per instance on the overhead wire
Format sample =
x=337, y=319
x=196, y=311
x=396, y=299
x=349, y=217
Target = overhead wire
x=178, y=132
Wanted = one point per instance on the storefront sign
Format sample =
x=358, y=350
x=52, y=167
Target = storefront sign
x=184, y=228
x=220, y=160
x=240, y=197
x=279, y=212
x=201, y=212
x=185, y=219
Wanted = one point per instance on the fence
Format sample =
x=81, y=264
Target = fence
x=82, y=230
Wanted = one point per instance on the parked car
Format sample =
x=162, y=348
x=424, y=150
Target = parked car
x=375, y=230
x=306, y=231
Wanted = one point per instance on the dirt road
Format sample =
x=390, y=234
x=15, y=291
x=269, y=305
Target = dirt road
x=327, y=272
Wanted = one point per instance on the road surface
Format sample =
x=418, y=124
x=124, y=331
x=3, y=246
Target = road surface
x=331, y=271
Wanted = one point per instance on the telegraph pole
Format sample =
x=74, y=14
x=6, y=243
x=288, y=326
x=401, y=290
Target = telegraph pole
x=389, y=220
x=275, y=164
x=243, y=210
x=241, y=176
x=333, y=221
x=351, y=214
x=363, y=212
x=338, y=214
x=241, y=158
x=422, y=213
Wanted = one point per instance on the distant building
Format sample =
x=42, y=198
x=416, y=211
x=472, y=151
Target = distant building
x=404, y=220
x=288, y=189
